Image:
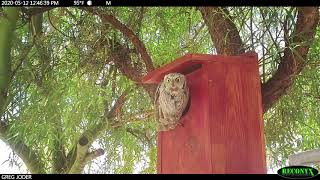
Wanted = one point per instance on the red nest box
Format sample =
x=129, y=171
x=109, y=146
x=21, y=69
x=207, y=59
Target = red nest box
x=222, y=131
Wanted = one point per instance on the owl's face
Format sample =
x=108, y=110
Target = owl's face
x=174, y=81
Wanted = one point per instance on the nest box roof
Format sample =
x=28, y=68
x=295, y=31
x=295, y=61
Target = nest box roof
x=191, y=62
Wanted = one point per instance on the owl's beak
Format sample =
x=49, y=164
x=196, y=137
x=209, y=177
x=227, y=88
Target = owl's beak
x=174, y=88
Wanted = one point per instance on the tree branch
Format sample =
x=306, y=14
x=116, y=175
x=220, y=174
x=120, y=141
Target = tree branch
x=140, y=135
x=134, y=118
x=93, y=134
x=294, y=58
x=115, y=110
x=7, y=25
x=28, y=156
x=92, y=155
x=58, y=153
x=34, y=11
x=226, y=38
x=121, y=57
x=83, y=156
x=223, y=31
x=108, y=18
x=142, y=12
x=78, y=155
x=120, y=54
x=82, y=149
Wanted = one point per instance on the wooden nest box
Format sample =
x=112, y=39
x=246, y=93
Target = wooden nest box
x=223, y=128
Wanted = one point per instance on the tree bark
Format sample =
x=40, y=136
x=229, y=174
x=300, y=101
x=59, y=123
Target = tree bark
x=223, y=31
x=294, y=59
x=7, y=25
x=138, y=44
x=120, y=55
x=82, y=149
x=227, y=41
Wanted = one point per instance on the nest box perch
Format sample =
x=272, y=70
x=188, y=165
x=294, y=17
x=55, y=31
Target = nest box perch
x=222, y=131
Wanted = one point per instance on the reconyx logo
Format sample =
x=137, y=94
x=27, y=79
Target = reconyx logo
x=298, y=172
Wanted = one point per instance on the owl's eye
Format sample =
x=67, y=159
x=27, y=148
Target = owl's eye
x=168, y=80
x=178, y=79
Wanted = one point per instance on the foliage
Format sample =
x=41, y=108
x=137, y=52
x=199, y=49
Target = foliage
x=63, y=81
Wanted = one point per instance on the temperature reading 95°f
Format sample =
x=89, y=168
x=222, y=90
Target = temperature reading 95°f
x=77, y=3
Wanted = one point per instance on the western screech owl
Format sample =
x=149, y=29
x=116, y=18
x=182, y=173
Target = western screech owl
x=171, y=99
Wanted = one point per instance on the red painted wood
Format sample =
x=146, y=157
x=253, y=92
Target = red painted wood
x=223, y=129
x=188, y=60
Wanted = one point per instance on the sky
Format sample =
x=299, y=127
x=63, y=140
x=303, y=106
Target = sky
x=5, y=167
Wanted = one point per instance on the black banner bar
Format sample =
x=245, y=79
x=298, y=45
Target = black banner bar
x=140, y=176
x=158, y=3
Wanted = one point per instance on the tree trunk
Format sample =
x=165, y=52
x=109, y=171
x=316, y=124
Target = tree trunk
x=7, y=26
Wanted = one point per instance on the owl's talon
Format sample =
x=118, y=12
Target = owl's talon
x=181, y=124
x=161, y=128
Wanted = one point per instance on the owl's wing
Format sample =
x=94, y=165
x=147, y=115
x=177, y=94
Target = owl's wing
x=156, y=102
